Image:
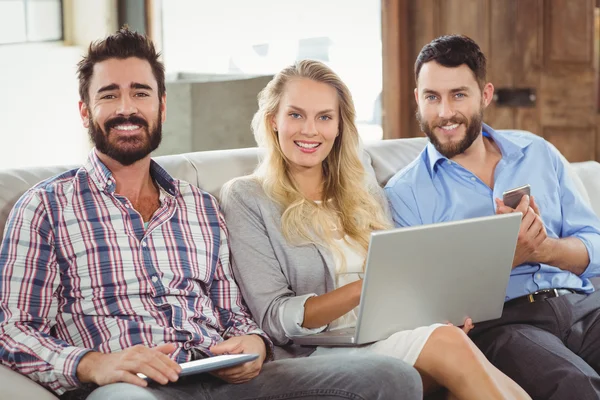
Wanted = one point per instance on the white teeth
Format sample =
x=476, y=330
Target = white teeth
x=307, y=145
x=449, y=127
x=127, y=127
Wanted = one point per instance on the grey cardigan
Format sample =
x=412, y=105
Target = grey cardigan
x=273, y=274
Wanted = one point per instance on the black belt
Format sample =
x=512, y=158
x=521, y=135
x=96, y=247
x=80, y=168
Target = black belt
x=540, y=295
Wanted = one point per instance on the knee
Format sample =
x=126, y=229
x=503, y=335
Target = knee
x=121, y=391
x=451, y=337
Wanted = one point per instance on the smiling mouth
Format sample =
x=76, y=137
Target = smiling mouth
x=308, y=146
x=126, y=128
x=449, y=127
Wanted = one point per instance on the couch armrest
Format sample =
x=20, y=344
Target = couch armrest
x=18, y=387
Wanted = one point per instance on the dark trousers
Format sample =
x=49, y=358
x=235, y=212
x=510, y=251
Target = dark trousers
x=551, y=347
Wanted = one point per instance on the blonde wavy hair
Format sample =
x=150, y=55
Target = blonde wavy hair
x=347, y=200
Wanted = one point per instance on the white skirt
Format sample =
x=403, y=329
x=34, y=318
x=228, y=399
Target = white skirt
x=405, y=345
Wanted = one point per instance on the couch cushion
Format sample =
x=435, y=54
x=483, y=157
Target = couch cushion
x=390, y=156
x=214, y=168
x=588, y=174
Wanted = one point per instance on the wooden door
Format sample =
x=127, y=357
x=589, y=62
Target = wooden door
x=546, y=45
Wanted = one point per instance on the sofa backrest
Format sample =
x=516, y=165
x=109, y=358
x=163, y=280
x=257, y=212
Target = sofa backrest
x=209, y=170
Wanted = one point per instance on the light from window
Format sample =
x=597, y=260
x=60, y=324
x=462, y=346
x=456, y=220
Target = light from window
x=260, y=37
x=30, y=21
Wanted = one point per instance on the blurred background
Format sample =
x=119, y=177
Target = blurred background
x=542, y=58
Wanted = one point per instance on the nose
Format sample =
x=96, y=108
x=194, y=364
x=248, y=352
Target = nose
x=445, y=111
x=126, y=106
x=309, y=127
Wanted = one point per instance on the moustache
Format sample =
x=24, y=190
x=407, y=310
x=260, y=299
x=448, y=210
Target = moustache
x=451, y=121
x=111, y=123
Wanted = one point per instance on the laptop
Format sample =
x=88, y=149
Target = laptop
x=437, y=273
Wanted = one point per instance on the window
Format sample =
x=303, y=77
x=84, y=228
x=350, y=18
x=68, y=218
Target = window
x=24, y=21
x=260, y=37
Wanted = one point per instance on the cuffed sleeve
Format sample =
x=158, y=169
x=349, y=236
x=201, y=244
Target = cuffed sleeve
x=291, y=316
x=578, y=218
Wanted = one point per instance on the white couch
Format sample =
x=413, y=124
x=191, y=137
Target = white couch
x=210, y=170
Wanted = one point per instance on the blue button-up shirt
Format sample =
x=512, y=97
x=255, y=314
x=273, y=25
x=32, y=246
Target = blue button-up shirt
x=435, y=189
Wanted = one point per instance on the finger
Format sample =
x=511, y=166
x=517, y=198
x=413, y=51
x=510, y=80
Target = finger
x=501, y=208
x=166, y=366
x=166, y=348
x=153, y=358
x=542, y=235
x=169, y=362
x=227, y=347
x=241, y=374
x=534, y=206
x=242, y=377
x=234, y=370
x=523, y=204
x=148, y=370
x=129, y=377
x=528, y=220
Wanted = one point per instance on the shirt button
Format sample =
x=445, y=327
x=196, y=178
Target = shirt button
x=538, y=276
x=155, y=279
x=449, y=162
x=473, y=178
x=127, y=206
x=144, y=244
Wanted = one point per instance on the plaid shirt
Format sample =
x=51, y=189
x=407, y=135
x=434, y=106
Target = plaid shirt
x=78, y=271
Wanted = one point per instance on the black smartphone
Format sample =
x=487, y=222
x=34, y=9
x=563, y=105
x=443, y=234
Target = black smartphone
x=512, y=197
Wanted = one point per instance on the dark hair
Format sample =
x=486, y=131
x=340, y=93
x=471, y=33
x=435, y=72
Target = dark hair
x=453, y=51
x=121, y=45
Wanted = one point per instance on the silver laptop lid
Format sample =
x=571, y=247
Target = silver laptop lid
x=427, y=274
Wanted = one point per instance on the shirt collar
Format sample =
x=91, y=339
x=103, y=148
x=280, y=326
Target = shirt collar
x=104, y=180
x=511, y=147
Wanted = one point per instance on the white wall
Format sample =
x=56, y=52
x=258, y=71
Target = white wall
x=39, y=118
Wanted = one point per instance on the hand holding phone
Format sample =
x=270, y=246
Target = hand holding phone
x=512, y=197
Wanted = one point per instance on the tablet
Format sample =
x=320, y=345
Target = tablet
x=211, y=364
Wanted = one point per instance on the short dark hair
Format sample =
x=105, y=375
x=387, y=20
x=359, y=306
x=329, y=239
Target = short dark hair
x=123, y=44
x=453, y=51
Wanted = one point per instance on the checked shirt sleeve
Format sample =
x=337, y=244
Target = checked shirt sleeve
x=29, y=278
x=233, y=313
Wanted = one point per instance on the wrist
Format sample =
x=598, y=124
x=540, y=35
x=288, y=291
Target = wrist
x=86, y=366
x=264, y=345
x=544, y=253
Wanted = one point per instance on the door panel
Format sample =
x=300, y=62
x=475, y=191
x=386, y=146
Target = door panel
x=546, y=45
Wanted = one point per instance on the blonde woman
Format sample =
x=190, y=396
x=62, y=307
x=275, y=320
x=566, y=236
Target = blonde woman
x=300, y=226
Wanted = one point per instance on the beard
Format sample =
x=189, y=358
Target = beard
x=451, y=149
x=126, y=150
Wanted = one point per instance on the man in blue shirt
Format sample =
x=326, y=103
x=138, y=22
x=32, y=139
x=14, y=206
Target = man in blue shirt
x=548, y=338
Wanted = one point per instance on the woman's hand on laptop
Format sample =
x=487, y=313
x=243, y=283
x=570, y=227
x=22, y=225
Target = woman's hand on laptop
x=467, y=326
x=248, y=344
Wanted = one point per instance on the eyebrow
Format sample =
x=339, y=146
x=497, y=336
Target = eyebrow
x=114, y=86
x=329, y=110
x=456, y=90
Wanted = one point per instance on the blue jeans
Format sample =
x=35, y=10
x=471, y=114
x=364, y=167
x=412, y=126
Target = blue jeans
x=356, y=377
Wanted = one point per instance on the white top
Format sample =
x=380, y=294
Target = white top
x=292, y=321
x=353, y=271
